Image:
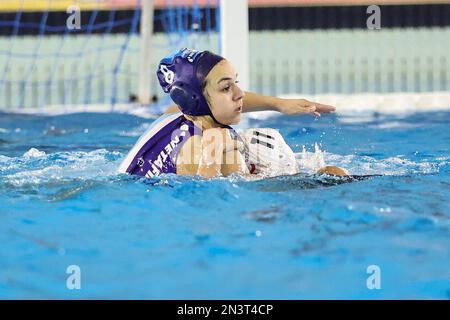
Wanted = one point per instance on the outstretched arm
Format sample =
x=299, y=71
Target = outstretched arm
x=256, y=102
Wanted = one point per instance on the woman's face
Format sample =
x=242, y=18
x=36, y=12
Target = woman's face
x=224, y=97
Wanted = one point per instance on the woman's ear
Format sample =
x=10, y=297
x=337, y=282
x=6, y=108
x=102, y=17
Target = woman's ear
x=207, y=98
x=205, y=93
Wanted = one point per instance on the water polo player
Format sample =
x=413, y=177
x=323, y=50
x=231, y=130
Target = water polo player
x=199, y=140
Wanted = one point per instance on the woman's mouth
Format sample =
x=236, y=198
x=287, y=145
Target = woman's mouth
x=239, y=109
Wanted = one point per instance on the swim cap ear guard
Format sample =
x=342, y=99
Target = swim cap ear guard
x=187, y=98
x=182, y=74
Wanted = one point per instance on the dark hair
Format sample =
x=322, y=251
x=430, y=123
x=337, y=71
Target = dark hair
x=206, y=62
x=204, y=92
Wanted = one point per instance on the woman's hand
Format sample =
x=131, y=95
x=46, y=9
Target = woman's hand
x=215, y=144
x=297, y=106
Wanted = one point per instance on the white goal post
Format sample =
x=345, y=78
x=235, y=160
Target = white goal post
x=233, y=42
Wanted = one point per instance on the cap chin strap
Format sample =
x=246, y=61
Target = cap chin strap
x=212, y=116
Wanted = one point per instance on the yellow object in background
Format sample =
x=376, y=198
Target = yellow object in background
x=62, y=5
x=56, y=5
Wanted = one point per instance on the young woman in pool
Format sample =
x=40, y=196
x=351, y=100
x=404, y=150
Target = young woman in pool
x=199, y=140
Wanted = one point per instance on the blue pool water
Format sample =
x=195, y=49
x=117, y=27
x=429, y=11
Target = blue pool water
x=303, y=236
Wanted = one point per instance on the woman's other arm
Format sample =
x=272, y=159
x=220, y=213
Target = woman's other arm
x=256, y=102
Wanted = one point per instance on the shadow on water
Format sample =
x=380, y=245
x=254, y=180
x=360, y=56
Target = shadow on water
x=304, y=181
x=52, y=191
x=56, y=190
x=4, y=142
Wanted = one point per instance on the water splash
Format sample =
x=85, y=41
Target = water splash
x=36, y=167
x=310, y=162
x=59, y=175
x=33, y=153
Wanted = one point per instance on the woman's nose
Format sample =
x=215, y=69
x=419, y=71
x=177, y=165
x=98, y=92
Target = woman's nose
x=238, y=93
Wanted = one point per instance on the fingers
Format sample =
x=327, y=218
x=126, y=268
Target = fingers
x=325, y=108
x=312, y=110
x=319, y=107
x=240, y=146
x=306, y=106
x=230, y=142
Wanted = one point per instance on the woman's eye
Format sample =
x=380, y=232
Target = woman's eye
x=226, y=88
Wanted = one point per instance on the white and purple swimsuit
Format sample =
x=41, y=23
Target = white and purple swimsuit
x=157, y=149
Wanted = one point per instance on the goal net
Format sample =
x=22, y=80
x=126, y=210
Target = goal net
x=94, y=54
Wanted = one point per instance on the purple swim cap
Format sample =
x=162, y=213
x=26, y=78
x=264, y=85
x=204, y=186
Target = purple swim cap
x=182, y=74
